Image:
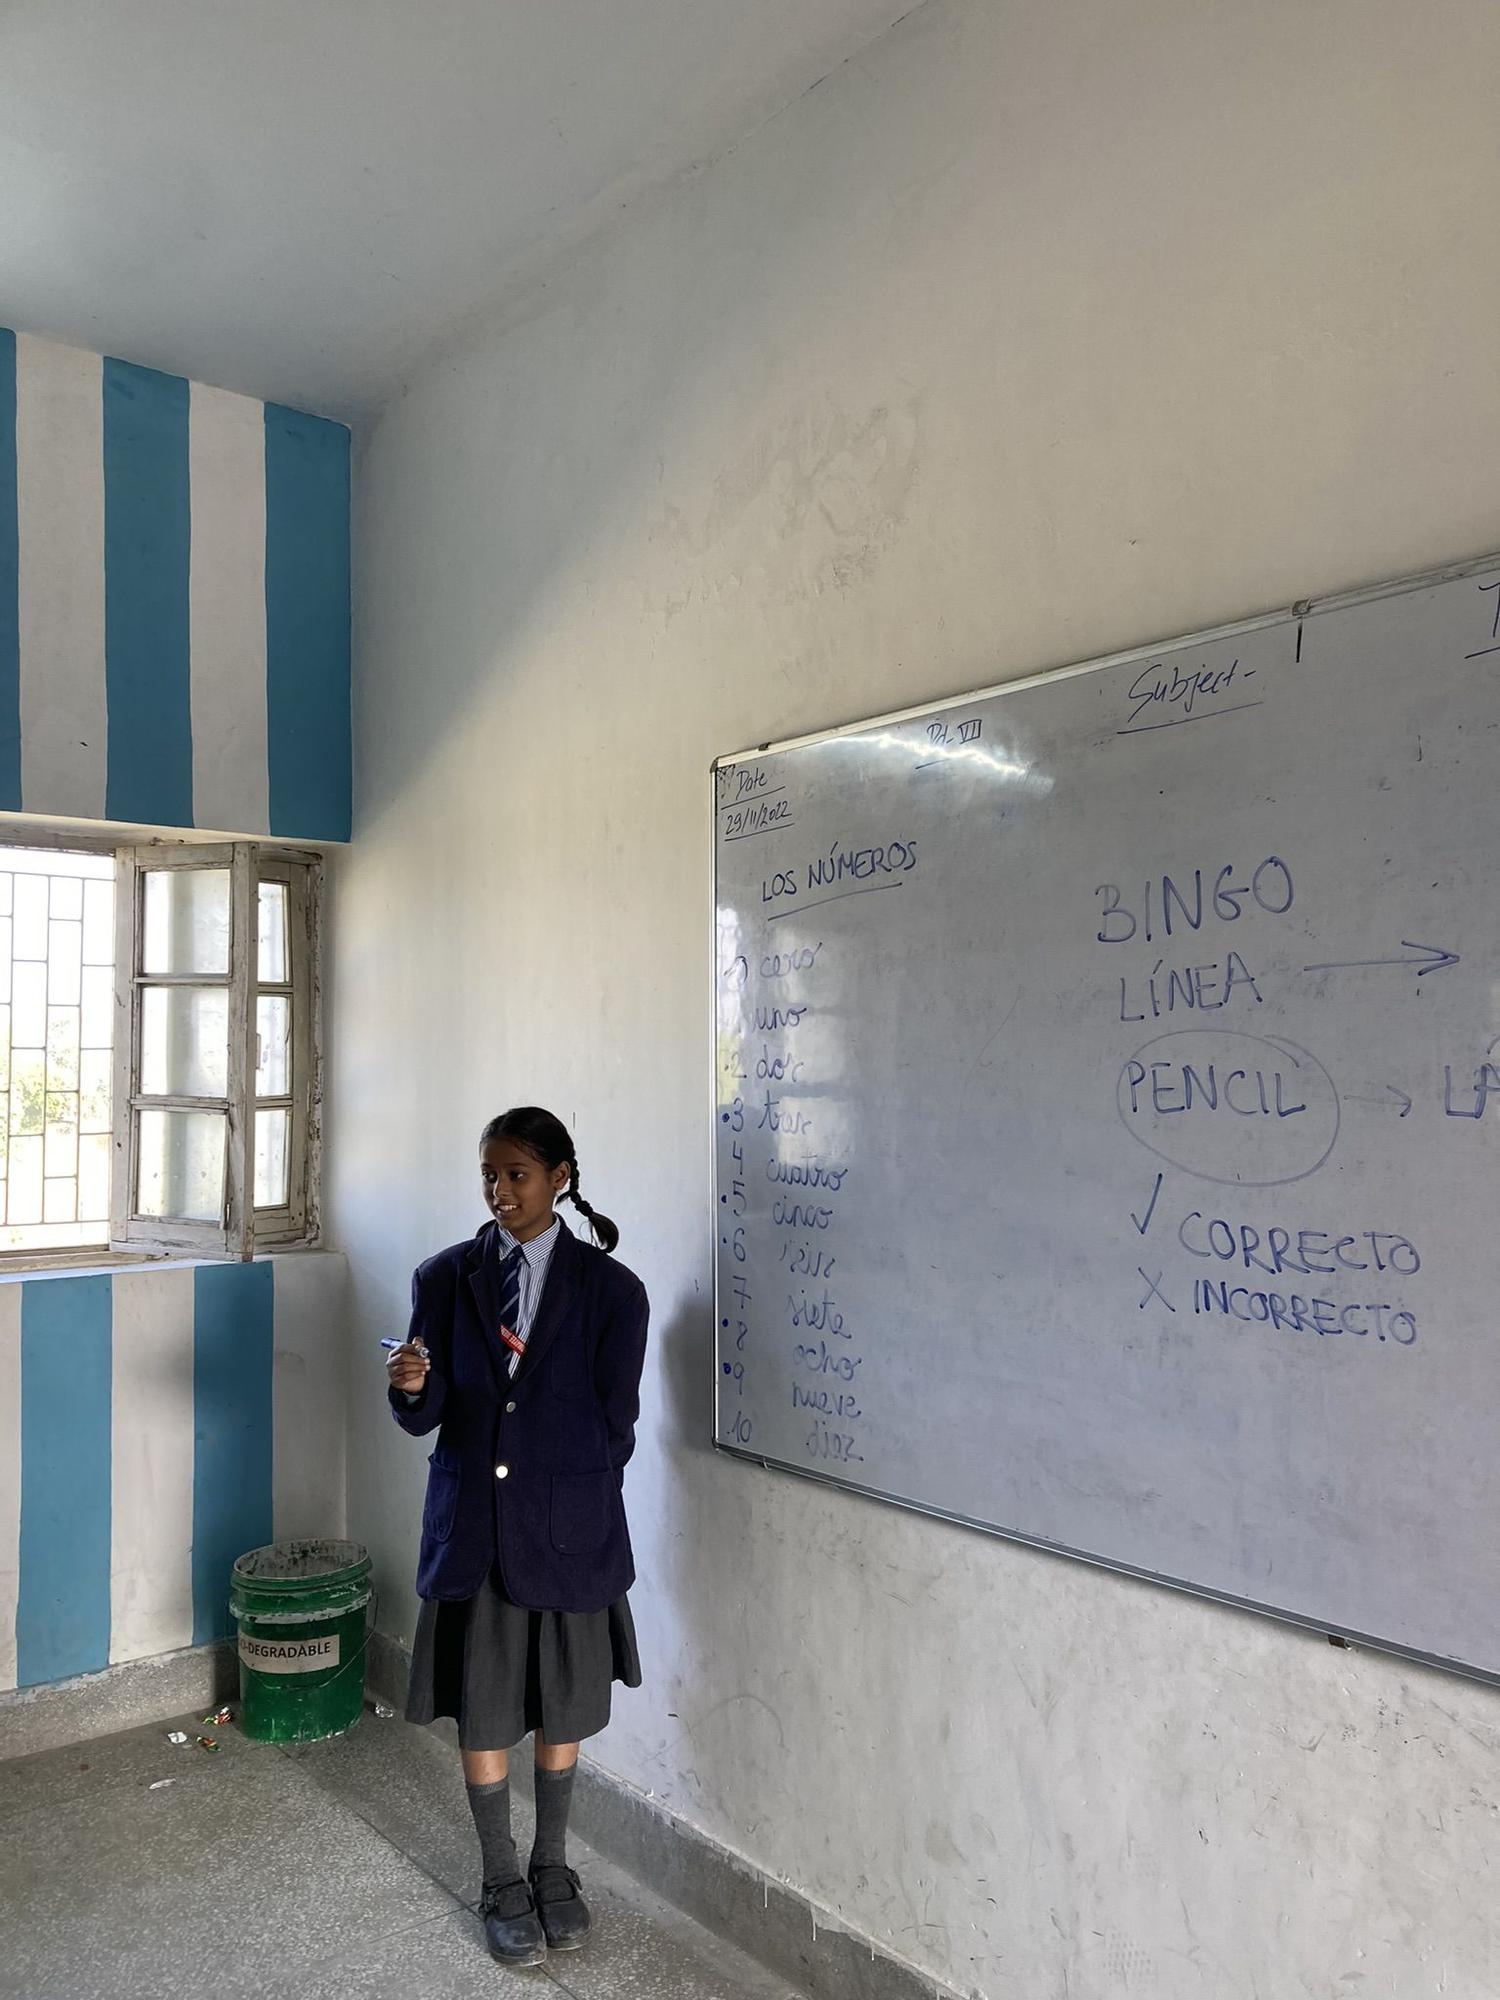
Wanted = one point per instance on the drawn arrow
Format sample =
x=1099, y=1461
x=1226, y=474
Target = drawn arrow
x=1436, y=959
x=1399, y=1096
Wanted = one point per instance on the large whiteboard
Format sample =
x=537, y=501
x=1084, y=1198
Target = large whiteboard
x=1107, y=1089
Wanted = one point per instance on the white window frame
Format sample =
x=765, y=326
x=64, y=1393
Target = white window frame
x=296, y=1221
x=243, y=1231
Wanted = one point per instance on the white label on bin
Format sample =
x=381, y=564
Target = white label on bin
x=289, y=1656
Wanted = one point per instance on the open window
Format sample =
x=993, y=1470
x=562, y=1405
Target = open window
x=215, y=1130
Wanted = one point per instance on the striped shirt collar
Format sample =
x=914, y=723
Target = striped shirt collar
x=537, y=1252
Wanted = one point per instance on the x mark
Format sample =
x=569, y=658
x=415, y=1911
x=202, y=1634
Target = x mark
x=1154, y=1290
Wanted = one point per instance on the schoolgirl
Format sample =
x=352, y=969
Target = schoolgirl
x=524, y=1355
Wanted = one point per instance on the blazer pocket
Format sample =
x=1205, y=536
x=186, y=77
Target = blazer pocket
x=442, y=1497
x=583, y=1505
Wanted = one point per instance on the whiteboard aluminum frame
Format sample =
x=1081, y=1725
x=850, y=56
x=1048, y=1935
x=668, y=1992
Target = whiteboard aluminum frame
x=1297, y=612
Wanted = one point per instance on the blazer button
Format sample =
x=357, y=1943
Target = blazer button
x=510, y=1409
x=502, y=1471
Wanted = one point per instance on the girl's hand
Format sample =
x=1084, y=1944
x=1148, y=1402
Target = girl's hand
x=407, y=1368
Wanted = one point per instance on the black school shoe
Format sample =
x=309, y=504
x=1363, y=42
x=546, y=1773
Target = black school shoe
x=511, y=1927
x=559, y=1902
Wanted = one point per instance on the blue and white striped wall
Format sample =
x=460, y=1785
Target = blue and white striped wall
x=166, y=1421
x=174, y=601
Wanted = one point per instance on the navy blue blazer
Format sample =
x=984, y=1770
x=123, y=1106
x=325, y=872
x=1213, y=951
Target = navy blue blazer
x=528, y=1473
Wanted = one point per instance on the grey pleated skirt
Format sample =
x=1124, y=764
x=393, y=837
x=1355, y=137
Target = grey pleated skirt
x=501, y=1671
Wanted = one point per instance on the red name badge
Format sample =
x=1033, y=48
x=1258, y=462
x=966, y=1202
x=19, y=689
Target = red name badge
x=512, y=1340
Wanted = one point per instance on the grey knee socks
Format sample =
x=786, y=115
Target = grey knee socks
x=554, y=1794
x=490, y=1805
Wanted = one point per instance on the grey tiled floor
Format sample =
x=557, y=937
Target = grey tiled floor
x=343, y=1871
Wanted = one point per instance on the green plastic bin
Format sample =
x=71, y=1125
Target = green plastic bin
x=301, y=1607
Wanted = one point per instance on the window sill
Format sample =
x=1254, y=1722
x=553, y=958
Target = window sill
x=81, y=1263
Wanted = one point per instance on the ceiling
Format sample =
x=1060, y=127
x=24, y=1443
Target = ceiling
x=297, y=198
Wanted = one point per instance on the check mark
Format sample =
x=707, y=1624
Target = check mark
x=1150, y=1208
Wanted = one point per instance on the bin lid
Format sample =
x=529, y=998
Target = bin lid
x=307, y=1560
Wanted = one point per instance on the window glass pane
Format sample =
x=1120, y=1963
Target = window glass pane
x=62, y=1048
x=28, y=1092
x=184, y=1041
x=99, y=923
x=56, y=965
x=181, y=1165
x=60, y=1200
x=270, y=1159
x=273, y=1027
x=61, y=1156
x=94, y=1082
x=39, y=1237
x=272, y=961
x=98, y=1022
x=29, y=936
x=28, y=1025
x=186, y=920
x=93, y=1176
x=64, y=960
x=25, y=1184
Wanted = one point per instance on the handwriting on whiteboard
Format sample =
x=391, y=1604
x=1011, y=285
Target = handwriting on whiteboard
x=1165, y=694
x=842, y=863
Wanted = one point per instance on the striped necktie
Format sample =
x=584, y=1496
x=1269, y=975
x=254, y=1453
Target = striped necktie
x=510, y=1307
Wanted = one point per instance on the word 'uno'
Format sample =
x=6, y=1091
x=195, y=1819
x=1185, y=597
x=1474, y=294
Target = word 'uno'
x=1269, y=888
x=772, y=1020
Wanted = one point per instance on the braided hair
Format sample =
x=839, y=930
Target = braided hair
x=550, y=1141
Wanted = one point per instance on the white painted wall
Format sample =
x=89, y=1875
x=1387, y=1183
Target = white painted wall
x=1037, y=331
x=309, y=1387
